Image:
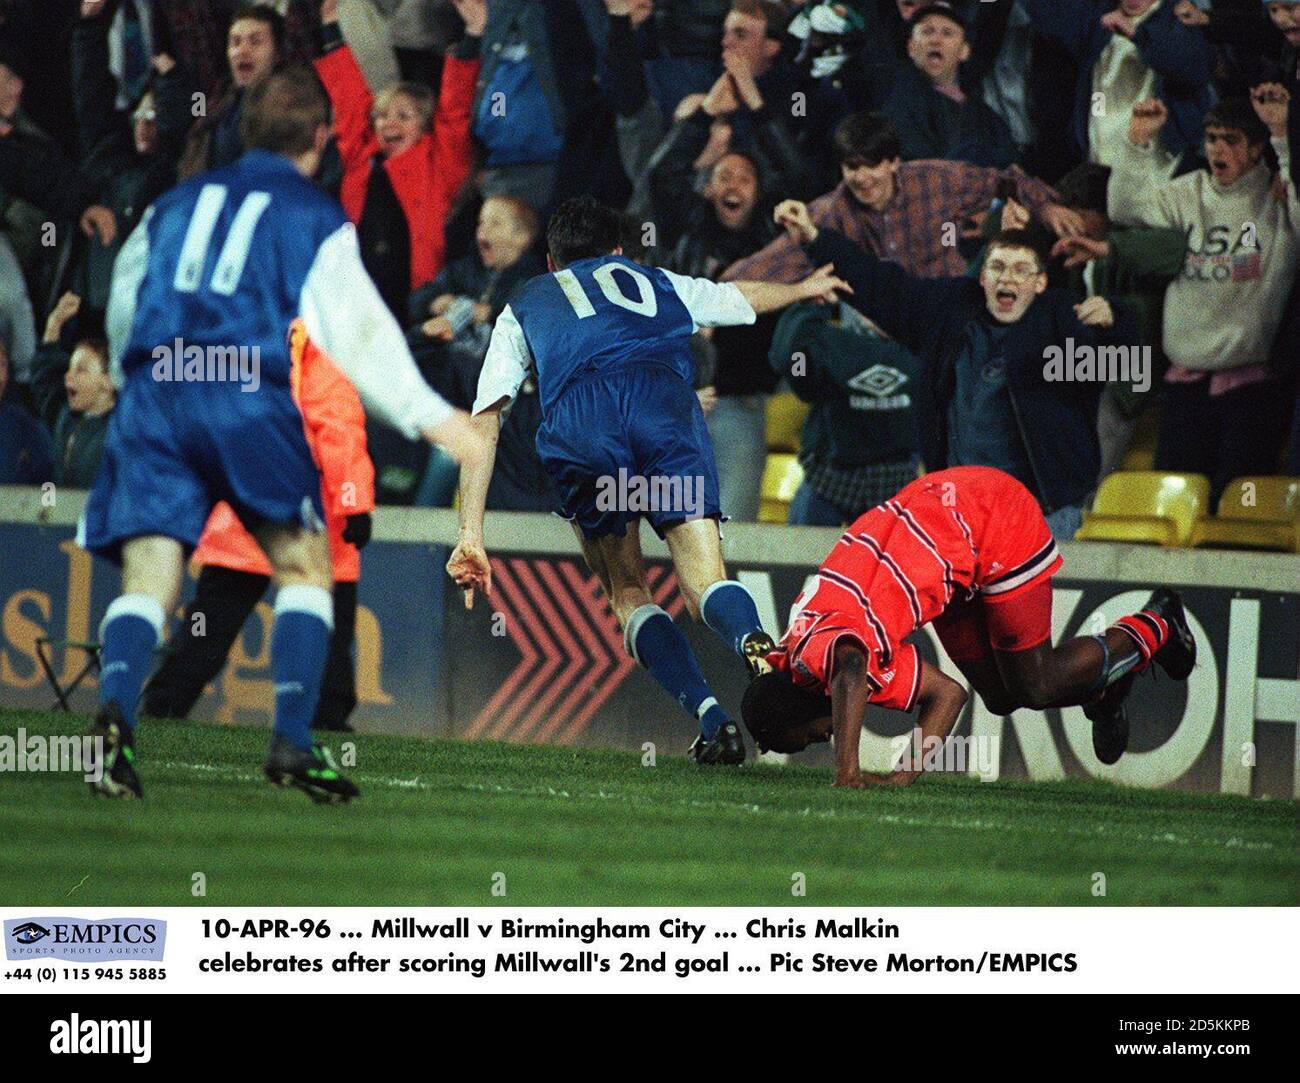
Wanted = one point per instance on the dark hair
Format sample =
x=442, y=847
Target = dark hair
x=97, y=343
x=946, y=10
x=773, y=14
x=631, y=236
x=283, y=112
x=866, y=139
x=262, y=13
x=1239, y=114
x=1085, y=187
x=773, y=704
x=89, y=324
x=581, y=228
x=1019, y=238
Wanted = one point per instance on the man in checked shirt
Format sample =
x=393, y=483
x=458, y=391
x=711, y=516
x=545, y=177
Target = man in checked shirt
x=899, y=210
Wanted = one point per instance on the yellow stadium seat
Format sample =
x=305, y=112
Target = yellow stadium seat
x=1147, y=507
x=782, y=476
x=1254, y=513
x=786, y=413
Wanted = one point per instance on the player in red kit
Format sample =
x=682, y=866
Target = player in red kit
x=968, y=550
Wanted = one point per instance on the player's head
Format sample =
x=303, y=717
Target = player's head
x=1235, y=138
x=582, y=228
x=507, y=227
x=869, y=151
x=288, y=113
x=734, y=189
x=782, y=717
x=937, y=44
x=402, y=114
x=1014, y=274
x=254, y=43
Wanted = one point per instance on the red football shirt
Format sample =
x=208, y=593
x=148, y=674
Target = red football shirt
x=952, y=534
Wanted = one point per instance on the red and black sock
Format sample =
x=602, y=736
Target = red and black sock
x=1148, y=632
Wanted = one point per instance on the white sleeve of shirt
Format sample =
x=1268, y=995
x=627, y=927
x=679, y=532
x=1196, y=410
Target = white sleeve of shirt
x=712, y=304
x=1282, y=147
x=506, y=364
x=346, y=318
x=1131, y=197
x=128, y=273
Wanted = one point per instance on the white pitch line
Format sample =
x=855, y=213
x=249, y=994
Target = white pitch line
x=893, y=819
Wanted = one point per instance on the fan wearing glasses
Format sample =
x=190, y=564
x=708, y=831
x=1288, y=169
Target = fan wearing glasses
x=1012, y=369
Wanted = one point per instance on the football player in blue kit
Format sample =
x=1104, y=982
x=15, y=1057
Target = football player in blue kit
x=624, y=438
x=204, y=294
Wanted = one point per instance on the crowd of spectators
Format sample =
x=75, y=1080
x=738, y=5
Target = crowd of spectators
x=999, y=177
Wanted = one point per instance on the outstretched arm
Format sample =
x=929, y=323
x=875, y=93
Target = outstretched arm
x=850, y=693
x=770, y=296
x=940, y=700
x=728, y=304
x=504, y=368
x=903, y=306
x=468, y=564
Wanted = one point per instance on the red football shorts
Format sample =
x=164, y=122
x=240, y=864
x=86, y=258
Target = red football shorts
x=1017, y=621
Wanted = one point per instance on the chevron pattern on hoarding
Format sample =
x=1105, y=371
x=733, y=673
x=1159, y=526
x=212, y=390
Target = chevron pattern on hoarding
x=571, y=656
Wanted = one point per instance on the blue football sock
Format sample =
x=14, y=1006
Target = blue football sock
x=657, y=643
x=728, y=608
x=300, y=644
x=128, y=634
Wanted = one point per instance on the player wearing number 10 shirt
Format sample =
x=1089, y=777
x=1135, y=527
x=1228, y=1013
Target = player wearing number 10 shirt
x=623, y=437
x=205, y=294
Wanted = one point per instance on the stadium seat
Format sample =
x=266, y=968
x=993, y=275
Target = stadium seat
x=1146, y=507
x=785, y=417
x=782, y=476
x=1254, y=513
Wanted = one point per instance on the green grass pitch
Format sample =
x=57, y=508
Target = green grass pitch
x=438, y=819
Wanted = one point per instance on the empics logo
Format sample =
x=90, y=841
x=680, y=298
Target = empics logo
x=112, y=1036
x=29, y=932
x=79, y=940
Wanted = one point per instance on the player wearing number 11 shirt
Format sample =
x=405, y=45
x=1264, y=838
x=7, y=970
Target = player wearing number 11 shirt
x=205, y=293
x=623, y=437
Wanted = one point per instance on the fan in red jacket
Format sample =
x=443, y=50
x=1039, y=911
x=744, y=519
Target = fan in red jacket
x=235, y=572
x=402, y=164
